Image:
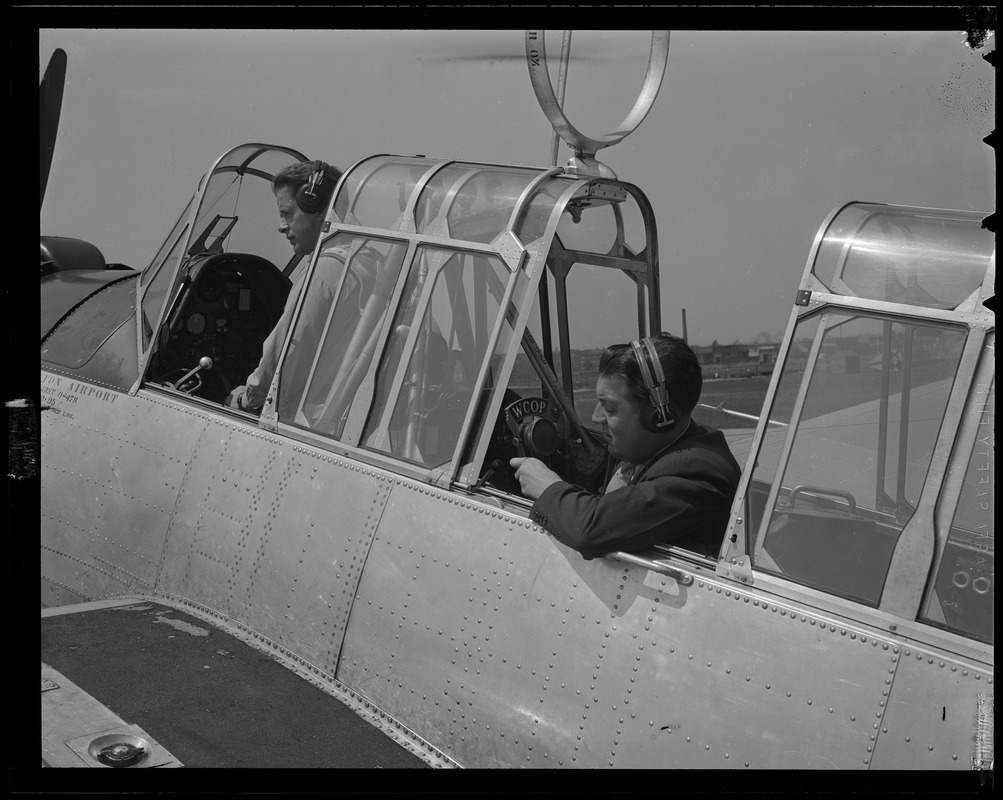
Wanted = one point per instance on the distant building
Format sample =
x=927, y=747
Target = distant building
x=736, y=360
x=716, y=360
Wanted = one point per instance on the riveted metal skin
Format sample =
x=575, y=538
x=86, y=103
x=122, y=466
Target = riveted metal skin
x=228, y=519
x=274, y=536
x=470, y=628
x=928, y=720
x=268, y=540
x=110, y=480
x=506, y=649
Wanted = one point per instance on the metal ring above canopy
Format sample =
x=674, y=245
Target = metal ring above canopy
x=536, y=57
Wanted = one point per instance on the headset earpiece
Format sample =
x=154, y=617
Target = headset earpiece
x=313, y=196
x=661, y=416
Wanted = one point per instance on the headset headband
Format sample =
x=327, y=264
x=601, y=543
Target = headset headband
x=317, y=178
x=645, y=353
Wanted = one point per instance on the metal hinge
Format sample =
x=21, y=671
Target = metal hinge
x=738, y=569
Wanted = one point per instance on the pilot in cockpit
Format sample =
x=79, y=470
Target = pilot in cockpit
x=675, y=480
x=302, y=194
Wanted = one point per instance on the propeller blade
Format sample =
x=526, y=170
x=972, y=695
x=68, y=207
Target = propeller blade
x=50, y=101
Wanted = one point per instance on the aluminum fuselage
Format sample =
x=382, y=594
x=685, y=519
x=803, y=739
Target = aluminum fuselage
x=467, y=624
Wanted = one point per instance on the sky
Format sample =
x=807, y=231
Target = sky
x=755, y=137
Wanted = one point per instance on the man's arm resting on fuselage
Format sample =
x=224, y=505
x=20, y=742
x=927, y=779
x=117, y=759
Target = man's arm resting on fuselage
x=657, y=511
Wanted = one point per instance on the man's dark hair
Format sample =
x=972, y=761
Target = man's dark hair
x=683, y=376
x=299, y=174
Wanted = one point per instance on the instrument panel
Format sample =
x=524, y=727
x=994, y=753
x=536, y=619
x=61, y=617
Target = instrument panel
x=226, y=314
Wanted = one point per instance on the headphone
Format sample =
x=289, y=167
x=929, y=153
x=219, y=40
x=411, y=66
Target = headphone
x=312, y=197
x=661, y=416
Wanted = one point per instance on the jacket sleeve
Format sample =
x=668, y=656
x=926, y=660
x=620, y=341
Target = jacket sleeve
x=687, y=498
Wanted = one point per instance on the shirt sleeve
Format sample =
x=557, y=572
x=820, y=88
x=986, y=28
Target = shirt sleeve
x=696, y=499
x=329, y=269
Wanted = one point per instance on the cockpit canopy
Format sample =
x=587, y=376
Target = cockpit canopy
x=233, y=210
x=916, y=257
x=450, y=317
x=872, y=422
x=441, y=297
x=479, y=202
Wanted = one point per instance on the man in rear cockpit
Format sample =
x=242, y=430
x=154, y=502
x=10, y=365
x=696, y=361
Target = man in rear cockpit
x=302, y=228
x=675, y=480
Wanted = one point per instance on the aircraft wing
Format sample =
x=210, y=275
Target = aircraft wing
x=189, y=693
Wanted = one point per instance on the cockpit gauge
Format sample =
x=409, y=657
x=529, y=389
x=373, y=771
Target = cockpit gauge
x=196, y=324
x=210, y=287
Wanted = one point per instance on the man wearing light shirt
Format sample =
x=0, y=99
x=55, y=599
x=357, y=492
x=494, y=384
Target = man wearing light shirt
x=302, y=229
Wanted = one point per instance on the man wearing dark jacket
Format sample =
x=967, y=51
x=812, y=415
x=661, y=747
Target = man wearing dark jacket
x=676, y=479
